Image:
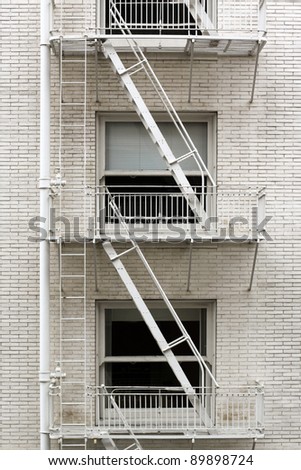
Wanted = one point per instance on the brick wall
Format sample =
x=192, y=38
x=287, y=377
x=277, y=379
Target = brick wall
x=257, y=332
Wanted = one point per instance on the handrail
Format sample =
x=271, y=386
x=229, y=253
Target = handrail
x=236, y=409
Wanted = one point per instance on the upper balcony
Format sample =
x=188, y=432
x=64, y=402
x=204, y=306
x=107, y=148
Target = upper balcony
x=216, y=27
x=164, y=214
x=153, y=214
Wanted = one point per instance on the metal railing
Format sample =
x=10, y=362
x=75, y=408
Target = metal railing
x=230, y=212
x=155, y=16
x=155, y=211
x=180, y=17
x=186, y=16
x=237, y=410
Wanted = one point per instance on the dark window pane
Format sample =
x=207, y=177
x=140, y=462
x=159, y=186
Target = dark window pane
x=149, y=374
x=134, y=338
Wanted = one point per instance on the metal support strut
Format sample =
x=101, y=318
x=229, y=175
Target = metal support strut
x=253, y=266
x=255, y=71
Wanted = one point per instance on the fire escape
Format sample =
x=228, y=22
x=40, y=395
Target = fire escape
x=79, y=410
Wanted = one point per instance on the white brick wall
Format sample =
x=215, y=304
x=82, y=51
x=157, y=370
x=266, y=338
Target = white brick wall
x=258, y=332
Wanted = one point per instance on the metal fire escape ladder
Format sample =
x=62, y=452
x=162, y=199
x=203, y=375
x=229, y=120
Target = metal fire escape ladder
x=173, y=163
x=72, y=363
x=165, y=347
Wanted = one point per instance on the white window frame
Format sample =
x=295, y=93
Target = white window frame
x=103, y=118
x=101, y=357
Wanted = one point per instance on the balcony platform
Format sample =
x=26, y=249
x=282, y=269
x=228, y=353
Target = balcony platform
x=97, y=432
x=218, y=45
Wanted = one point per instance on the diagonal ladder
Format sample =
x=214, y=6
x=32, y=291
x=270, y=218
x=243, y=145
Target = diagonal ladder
x=72, y=256
x=107, y=440
x=173, y=163
x=165, y=347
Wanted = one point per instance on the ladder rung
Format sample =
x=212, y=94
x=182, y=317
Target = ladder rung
x=73, y=403
x=73, y=424
x=123, y=253
x=72, y=275
x=73, y=83
x=72, y=254
x=77, y=446
x=132, y=446
x=76, y=61
x=73, y=104
x=175, y=342
x=73, y=125
x=183, y=157
x=73, y=318
x=133, y=68
x=72, y=361
x=73, y=340
x=73, y=297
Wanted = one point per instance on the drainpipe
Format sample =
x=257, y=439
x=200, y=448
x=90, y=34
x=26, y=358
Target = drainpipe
x=44, y=186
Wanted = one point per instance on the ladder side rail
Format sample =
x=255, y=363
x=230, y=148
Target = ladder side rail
x=85, y=226
x=60, y=330
x=136, y=49
x=178, y=321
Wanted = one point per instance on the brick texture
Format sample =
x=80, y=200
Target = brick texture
x=258, y=332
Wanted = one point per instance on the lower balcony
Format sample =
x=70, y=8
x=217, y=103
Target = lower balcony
x=169, y=413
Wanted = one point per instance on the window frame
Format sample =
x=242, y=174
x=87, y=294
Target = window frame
x=102, y=118
x=102, y=359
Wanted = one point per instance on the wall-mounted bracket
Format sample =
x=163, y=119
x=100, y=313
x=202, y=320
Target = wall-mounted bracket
x=258, y=49
x=253, y=266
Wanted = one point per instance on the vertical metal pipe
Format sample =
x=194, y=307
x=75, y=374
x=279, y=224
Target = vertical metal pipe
x=44, y=376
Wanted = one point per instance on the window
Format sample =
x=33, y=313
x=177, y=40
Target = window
x=131, y=167
x=129, y=355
